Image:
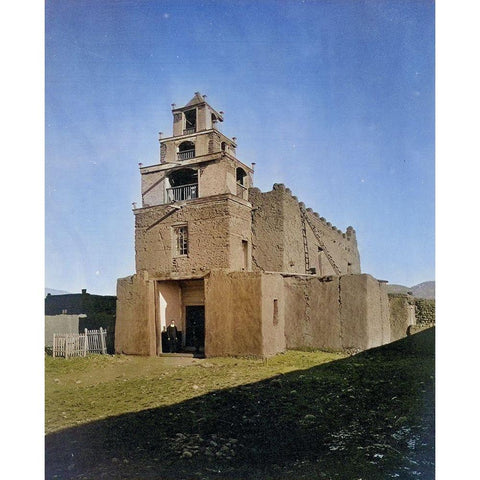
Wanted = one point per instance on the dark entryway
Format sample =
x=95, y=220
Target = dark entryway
x=195, y=327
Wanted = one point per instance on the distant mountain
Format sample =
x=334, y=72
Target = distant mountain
x=52, y=291
x=422, y=290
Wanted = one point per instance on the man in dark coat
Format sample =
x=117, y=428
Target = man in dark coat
x=172, y=335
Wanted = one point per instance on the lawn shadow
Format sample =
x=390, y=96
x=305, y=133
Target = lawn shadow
x=367, y=416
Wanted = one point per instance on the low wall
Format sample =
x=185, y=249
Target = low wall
x=135, y=327
x=336, y=313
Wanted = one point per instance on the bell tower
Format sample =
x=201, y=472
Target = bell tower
x=195, y=214
x=196, y=161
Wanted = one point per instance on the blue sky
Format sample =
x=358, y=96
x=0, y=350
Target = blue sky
x=336, y=99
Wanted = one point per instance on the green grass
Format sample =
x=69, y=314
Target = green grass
x=80, y=390
x=298, y=415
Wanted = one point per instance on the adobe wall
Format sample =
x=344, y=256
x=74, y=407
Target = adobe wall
x=364, y=312
x=273, y=314
x=346, y=313
x=218, y=177
x=379, y=307
x=239, y=231
x=267, y=230
x=216, y=226
x=277, y=225
x=135, y=331
x=402, y=314
x=312, y=313
x=153, y=186
x=233, y=314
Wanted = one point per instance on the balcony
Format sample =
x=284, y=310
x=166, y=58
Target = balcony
x=186, y=155
x=184, y=192
x=188, y=131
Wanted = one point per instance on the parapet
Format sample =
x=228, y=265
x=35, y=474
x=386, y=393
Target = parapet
x=280, y=187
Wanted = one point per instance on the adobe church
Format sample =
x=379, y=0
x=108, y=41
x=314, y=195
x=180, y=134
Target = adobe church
x=256, y=272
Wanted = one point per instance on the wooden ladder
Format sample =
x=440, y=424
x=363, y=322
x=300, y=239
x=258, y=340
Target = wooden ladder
x=305, y=242
x=305, y=220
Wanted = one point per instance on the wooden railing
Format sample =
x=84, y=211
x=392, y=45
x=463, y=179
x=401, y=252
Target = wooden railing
x=185, y=155
x=184, y=192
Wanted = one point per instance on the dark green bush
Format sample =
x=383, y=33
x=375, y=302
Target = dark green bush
x=424, y=311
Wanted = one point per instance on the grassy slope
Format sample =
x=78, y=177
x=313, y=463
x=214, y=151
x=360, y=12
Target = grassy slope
x=369, y=416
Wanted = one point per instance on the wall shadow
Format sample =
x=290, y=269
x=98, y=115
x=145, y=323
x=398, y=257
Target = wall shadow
x=367, y=416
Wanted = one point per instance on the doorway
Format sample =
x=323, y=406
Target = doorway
x=195, y=328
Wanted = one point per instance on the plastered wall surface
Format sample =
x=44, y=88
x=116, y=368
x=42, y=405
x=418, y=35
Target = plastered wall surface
x=267, y=230
x=153, y=187
x=312, y=316
x=135, y=331
x=233, y=314
x=212, y=179
x=210, y=230
x=273, y=314
x=240, y=231
x=169, y=298
x=378, y=313
x=348, y=312
x=365, y=323
x=278, y=222
x=400, y=315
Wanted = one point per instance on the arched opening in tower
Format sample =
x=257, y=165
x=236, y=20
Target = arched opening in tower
x=242, y=183
x=186, y=150
x=190, y=122
x=241, y=176
x=183, y=185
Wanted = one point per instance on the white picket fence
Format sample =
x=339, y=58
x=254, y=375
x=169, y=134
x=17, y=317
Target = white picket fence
x=79, y=344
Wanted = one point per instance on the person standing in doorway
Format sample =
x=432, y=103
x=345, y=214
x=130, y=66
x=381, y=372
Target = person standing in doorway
x=172, y=335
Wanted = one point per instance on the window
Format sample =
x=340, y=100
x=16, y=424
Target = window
x=190, y=121
x=245, y=254
x=181, y=240
x=275, y=311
